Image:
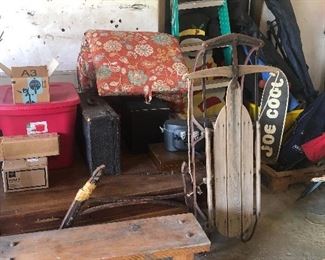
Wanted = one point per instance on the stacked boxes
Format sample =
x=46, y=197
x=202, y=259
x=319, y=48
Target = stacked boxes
x=57, y=116
x=25, y=160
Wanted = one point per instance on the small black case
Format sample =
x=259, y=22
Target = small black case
x=142, y=123
x=101, y=133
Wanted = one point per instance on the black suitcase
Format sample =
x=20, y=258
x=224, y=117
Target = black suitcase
x=101, y=133
x=142, y=123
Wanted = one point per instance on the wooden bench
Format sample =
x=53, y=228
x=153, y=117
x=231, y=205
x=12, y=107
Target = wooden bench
x=178, y=236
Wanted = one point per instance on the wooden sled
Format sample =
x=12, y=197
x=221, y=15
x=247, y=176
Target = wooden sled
x=233, y=178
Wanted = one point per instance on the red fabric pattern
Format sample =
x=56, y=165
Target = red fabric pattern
x=132, y=63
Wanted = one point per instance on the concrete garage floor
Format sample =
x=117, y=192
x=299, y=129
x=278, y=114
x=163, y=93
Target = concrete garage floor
x=287, y=230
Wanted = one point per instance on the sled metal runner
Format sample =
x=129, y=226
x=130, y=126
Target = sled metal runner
x=232, y=176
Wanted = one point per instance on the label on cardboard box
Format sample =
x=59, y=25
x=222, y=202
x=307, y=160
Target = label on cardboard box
x=21, y=175
x=30, y=84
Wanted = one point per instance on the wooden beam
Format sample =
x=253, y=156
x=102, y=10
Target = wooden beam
x=199, y=4
x=256, y=10
x=178, y=236
x=19, y=213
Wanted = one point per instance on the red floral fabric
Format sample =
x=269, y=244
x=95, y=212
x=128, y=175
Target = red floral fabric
x=132, y=63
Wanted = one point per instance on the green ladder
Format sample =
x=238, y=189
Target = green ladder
x=176, y=6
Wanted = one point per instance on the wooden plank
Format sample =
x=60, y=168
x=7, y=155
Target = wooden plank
x=210, y=192
x=110, y=187
x=225, y=71
x=258, y=169
x=162, y=15
x=281, y=180
x=199, y=4
x=166, y=160
x=175, y=235
x=184, y=257
x=247, y=172
x=220, y=173
x=19, y=213
x=213, y=84
x=51, y=219
x=303, y=171
x=233, y=107
x=256, y=10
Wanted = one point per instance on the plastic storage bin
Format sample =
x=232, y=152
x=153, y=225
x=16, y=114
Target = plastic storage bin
x=59, y=115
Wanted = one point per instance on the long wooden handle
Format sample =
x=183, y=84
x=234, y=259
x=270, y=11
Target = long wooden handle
x=82, y=195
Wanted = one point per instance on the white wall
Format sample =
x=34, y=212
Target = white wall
x=311, y=20
x=35, y=31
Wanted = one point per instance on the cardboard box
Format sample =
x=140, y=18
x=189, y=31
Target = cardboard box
x=30, y=84
x=25, y=174
x=29, y=146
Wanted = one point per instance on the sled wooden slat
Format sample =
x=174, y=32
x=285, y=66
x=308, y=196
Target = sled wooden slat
x=209, y=175
x=177, y=236
x=247, y=182
x=199, y=4
x=234, y=166
x=258, y=169
x=220, y=173
x=233, y=108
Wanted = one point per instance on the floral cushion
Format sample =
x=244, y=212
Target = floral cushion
x=132, y=63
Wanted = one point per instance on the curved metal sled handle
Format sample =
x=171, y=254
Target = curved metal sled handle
x=232, y=39
x=227, y=72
